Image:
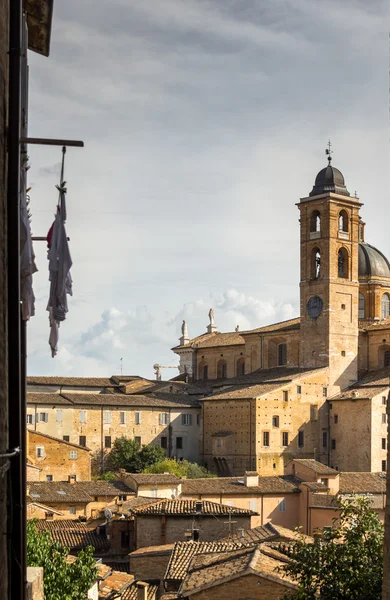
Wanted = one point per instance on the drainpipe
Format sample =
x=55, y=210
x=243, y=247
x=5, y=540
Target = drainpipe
x=262, y=509
x=329, y=436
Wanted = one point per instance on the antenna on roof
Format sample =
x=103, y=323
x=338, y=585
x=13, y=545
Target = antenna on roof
x=329, y=152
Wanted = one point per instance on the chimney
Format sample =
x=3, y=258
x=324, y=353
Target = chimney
x=237, y=329
x=251, y=478
x=142, y=590
x=199, y=506
x=72, y=479
x=27, y=490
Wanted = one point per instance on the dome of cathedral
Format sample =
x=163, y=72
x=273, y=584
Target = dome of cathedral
x=329, y=179
x=372, y=263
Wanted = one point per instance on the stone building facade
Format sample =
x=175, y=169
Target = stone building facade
x=95, y=420
x=272, y=388
x=56, y=459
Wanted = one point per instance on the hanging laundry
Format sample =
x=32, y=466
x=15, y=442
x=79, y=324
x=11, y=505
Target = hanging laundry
x=27, y=256
x=60, y=263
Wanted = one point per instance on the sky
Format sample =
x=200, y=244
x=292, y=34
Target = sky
x=204, y=122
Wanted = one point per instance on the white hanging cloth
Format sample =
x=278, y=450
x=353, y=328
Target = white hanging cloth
x=27, y=256
x=60, y=263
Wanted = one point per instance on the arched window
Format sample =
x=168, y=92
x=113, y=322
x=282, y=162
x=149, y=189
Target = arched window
x=343, y=221
x=362, y=306
x=282, y=355
x=222, y=369
x=315, y=263
x=342, y=258
x=241, y=366
x=203, y=371
x=315, y=221
x=385, y=306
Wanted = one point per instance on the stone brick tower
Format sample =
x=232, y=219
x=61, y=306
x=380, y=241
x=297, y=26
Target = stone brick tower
x=329, y=286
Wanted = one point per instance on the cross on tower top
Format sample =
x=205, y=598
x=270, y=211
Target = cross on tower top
x=329, y=152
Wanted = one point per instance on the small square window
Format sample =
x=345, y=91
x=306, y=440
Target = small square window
x=137, y=440
x=336, y=419
x=73, y=454
x=265, y=438
x=82, y=440
x=282, y=505
x=43, y=417
x=285, y=395
x=275, y=421
x=65, y=438
x=107, y=416
x=384, y=418
x=72, y=510
x=83, y=416
x=325, y=392
x=138, y=418
x=383, y=465
x=59, y=416
x=40, y=451
x=179, y=443
x=299, y=389
x=342, y=352
x=383, y=443
x=333, y=444
x=343, y=307
x=49, y=477
x=164, y=442
x=122, y=416
x=285, y=438
x=107, y=441
x=30, y=419
x=384, y=402
x=324, y=439
x=164, y=419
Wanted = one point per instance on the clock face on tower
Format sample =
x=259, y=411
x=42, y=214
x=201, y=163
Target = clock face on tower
x=314, y=306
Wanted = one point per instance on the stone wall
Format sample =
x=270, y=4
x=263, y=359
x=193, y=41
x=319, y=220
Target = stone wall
x=57, y=461
x=150, y=563
x=34, y=583
x=153, y=531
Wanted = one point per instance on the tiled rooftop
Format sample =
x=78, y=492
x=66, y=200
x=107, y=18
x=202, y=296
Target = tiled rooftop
x=189, y=507
x=260, y=383
x=73, y=534
x=288, y=325
x=362, y=483
x=126, y=400
x=154, y=478
x=272, y=484
x=80, y=491
x=377, y=501
x=214, y=339
x=316, y=466
x=98, y=382
x=369, y=386
x=131, y=592
x=116, y=582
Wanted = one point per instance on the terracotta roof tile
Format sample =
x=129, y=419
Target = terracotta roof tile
x=260, y=383
x=99, y=382
x=290, y=324
x=81, y=491
x=362, y=483
x=316, y=466
x=377, y=501
x=212, y=340
x=127, y=400
x=116, y=582
x=369, y=386
x=132, y=594
x=154, y=478
x=73, y=534
x=189, y=507
x=272, y=484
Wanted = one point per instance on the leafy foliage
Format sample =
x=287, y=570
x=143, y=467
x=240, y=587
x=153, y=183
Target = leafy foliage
x=180, y=469
x=346, y=560
x=61, y=581
x=126, y=454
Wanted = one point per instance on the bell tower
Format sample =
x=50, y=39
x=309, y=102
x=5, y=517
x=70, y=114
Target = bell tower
x=329, y=286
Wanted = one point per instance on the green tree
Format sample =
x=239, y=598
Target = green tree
x=345, y=561
x=126, y=454
x=61, y=581
x=180, y=469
